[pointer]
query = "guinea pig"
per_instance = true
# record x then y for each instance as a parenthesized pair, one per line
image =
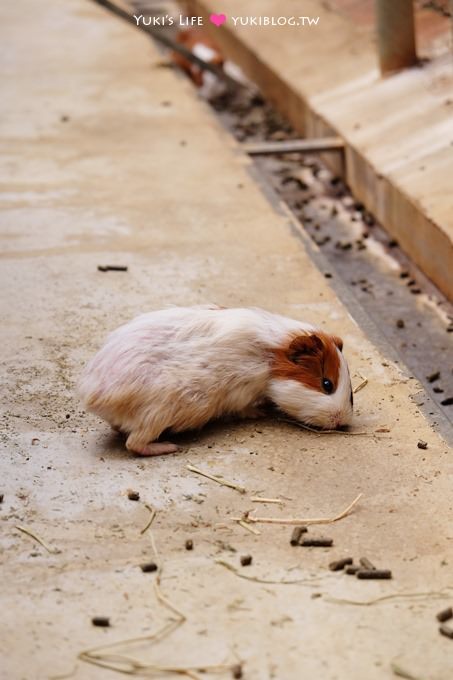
(202, 46)
(178, 368)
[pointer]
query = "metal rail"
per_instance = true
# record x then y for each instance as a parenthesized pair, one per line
(294, 146)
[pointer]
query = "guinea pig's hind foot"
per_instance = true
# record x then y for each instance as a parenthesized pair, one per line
(153, 449)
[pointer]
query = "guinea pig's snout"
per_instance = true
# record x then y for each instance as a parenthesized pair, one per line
(337, 422)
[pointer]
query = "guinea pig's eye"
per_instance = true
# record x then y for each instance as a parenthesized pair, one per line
(327, 385)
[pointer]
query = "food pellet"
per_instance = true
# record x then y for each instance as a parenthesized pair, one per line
(189, 544)
(352, 570)
(367, 574)
(112, 268)
(237, 672)
(133, 495)
(317, 542)
(422, 445)
(149, 566)
(101, 621)
(246, 560)
(366, 564)
(446, 630)
(297, 535)
(340, 564)
(445, 614)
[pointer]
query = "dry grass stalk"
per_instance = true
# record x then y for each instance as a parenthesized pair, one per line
(293, 521)
(258, 499)
(320, 433)
(215, 478)
(105, 656)
(257, 579)
(435, 594)
(29, 532)
(360, 386)
(402, 672)
(152, 517)
(253, 530)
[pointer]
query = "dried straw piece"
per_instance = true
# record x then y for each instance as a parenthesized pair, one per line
(105, 656)
(253, 530)
(402, 672)
(258, 499)
(439, 594)
(257, 579)
(29, 532)
(321, 432)
(215, 478)
(293, 521)
(360, 386)
(151, 518)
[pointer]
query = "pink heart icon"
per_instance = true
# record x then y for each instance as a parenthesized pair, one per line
(217, 19)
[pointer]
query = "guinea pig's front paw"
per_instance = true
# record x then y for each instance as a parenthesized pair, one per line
(154, 449)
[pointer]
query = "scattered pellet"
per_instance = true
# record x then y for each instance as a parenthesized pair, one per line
(445, 614)
(432, 377)
(112, 268)
(189, 544)
(404, 274)
(447, 402)
(367, 574)
(438, 390)
(1, 498)
(316, 542)
(246, 560)
(416, 291)
(400, 323)
(352, 570)
(148, 567)
(340, 564)
(297, 535)
(237, 671)
(101, 621)
(366, 564)
(446, 630)
(133, 495)
(369, 219)
(421, 444)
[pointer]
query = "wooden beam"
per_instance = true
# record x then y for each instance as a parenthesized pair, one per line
(395, 35)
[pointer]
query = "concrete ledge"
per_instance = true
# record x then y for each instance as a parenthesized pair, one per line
(398, 131)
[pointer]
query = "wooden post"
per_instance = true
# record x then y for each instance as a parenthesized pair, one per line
(395, 35)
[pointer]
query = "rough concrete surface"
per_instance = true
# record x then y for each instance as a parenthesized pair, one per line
(109, 159)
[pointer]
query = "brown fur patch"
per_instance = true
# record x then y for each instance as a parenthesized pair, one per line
(309, 358)
(189, 38)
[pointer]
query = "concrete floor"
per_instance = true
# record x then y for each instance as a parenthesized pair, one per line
(110, 159)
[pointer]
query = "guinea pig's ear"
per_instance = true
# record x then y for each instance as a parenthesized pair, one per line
(338, 342)
(304, 346)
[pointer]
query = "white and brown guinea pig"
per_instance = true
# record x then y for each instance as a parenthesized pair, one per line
(202, 46)
(178, 368)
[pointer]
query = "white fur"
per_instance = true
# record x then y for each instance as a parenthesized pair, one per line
(180, 367)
